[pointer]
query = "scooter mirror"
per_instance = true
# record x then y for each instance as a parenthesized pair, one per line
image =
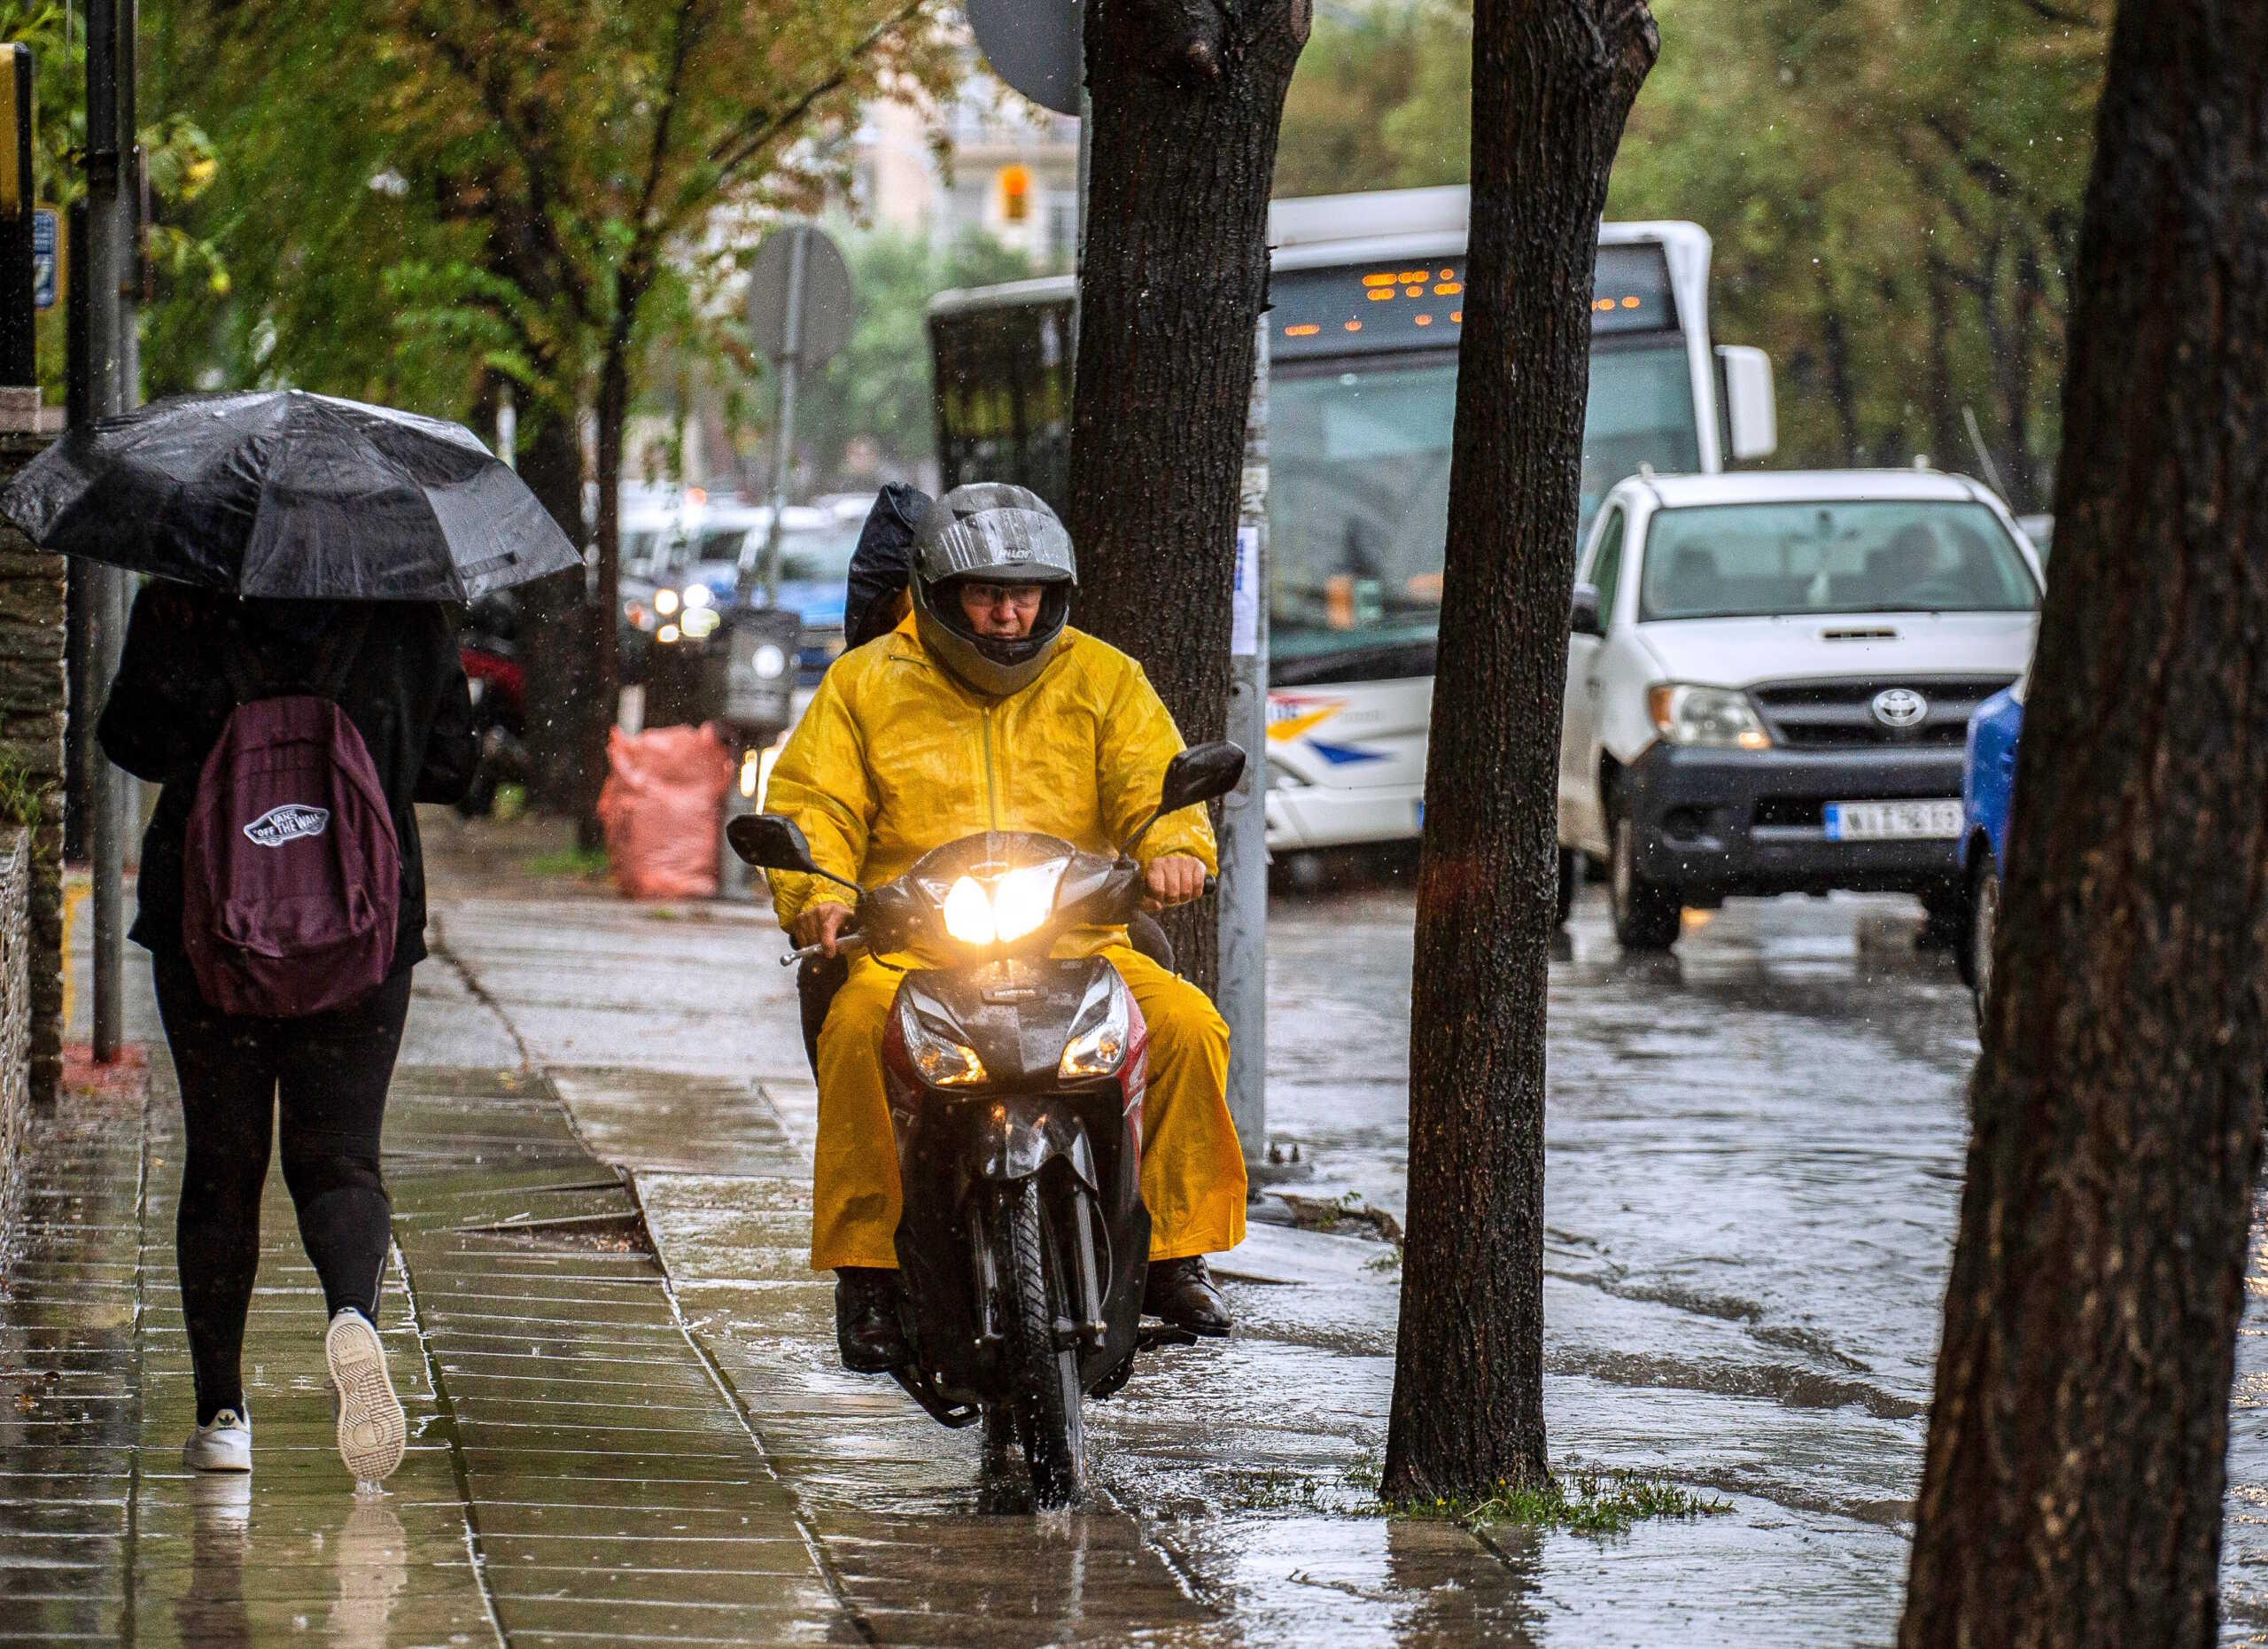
(771, 843)
(1199, 775)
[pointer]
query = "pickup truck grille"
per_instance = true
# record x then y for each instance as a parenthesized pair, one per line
(1839, 715)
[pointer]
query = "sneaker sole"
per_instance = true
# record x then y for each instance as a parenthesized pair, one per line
(198, 1462)
(372, 1430)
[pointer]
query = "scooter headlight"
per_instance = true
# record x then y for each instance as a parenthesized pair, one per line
(1100, 1049)
(1017, 903)
(939, 1061)
(968, 914)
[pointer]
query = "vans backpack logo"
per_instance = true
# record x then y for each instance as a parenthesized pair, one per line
(287, 823)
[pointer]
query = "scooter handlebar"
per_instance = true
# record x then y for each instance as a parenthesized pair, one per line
(803, 953)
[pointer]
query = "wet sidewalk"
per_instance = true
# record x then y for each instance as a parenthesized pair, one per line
(575, 1476)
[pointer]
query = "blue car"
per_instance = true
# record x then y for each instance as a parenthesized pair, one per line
(1988, 782)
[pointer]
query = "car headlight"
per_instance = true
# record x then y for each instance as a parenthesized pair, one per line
(698, 596)
(666, 635)
(941, 1061)
(1100, 1050)
(769, 661)
(665, 602)
(1714, 718)
(700, 622)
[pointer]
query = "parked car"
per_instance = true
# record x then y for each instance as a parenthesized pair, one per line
(1988, 780)
(1769, 682)
(677, 595)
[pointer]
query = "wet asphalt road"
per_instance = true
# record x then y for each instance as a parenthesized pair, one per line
(1753, 1184)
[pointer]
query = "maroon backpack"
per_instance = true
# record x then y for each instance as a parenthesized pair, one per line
(292, 883)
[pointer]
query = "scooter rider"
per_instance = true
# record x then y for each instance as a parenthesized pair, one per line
(984, 709)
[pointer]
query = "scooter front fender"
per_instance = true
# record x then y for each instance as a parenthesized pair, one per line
(1016, 1138)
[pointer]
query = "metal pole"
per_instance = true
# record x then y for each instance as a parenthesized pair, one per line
(107, 244)
(1243, 990)
(791, 352)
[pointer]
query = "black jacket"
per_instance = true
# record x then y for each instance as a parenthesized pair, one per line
(404, 691)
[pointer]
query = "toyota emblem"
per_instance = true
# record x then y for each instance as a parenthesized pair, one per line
(1900, 707)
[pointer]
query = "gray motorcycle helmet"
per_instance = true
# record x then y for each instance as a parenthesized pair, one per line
(990, 533)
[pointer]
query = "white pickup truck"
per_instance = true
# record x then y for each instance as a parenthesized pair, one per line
(1769, 682)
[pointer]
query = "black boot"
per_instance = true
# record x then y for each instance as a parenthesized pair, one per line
(1182, 1292)
(866, 1329)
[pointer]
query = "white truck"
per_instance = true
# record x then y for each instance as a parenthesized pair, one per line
(1770, 682)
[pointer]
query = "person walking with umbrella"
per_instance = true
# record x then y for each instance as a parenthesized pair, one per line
(290, 679)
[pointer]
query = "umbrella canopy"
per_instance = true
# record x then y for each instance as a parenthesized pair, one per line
(282, 494)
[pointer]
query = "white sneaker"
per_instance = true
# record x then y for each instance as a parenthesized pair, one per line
(372, 1430)
(223, 1446)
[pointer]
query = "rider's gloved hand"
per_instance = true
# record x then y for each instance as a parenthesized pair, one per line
(1173, 880)
(820, 923)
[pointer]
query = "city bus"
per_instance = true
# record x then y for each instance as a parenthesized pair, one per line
(1365, 309)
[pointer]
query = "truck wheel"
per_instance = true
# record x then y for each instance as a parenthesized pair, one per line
(1984, 922)
(1646, 914)
(1944, 921)
(1571, 871)
(1044, 1376)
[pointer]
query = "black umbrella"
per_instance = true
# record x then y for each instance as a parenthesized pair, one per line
(282, 493)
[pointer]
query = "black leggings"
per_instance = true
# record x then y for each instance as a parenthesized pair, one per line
(330, 1071)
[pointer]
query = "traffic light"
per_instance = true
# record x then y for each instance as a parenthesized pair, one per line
(1015, 194)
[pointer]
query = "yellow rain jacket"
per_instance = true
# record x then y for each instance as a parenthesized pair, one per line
(894, 758)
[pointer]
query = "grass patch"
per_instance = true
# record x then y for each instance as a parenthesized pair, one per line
(21, 794)
(1586, 1503)
(579, 863)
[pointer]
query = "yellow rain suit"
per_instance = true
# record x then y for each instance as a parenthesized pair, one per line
(894, 758)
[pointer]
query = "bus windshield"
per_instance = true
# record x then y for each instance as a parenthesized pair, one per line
(1358, 496)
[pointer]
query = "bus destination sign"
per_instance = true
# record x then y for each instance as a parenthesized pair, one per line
(1365, 309)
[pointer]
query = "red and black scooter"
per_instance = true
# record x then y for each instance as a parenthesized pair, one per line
(1015, 1082)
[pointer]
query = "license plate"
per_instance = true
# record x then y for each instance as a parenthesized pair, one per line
(1892, 821)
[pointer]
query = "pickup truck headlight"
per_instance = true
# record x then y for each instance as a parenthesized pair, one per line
(1714, 718)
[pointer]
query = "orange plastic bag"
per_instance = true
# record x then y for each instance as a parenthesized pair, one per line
(661, 810)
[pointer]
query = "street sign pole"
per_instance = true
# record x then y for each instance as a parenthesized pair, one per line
(110, 115)
(1244, 815)
(783, 450)
(799, 304)
(18, 310)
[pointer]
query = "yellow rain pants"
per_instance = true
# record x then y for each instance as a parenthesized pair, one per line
(1193, 1168)
(895, 756)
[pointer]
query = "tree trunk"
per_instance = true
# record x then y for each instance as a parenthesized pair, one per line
(2071, 1492)
(2018, 467)
(1841, 391)
(1187, 96)
(553, 622)
(1552, 82)
(1944, 438)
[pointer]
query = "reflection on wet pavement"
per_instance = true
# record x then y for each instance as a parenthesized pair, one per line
(1754, 1159)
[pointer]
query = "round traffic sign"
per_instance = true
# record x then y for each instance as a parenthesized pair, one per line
(820, 311)
(1035, 45)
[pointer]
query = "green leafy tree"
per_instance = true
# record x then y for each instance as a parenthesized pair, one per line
(1892, 186)
(516, 192)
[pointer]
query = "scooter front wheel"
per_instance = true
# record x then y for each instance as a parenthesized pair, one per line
(1044, 1375)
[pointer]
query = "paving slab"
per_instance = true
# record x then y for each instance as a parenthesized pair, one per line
(576, 1474)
